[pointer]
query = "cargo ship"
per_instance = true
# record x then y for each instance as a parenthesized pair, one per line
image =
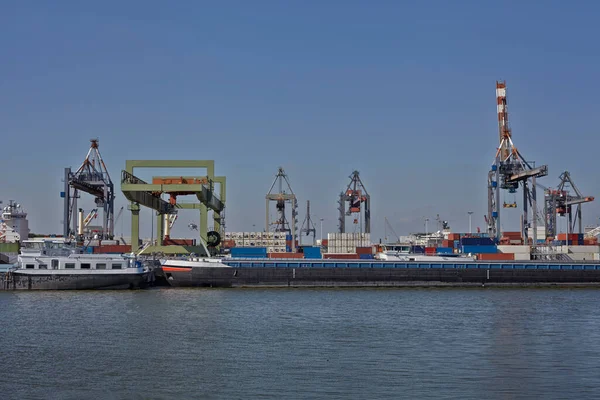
(56, 264)
(437, 271)
(471, 261)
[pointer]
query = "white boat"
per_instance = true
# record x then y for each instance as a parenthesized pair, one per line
(53, 263)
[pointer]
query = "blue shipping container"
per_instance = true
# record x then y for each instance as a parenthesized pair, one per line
(365, 256)
(445, 250)
(417, 249)
(248, 251)
(288, 237)
(312, 252)
(477, 241)
(479, 249)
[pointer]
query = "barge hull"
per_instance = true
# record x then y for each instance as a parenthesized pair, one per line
(376, 277)
(15, 281)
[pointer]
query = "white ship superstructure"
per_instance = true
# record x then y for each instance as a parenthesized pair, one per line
(14, 226)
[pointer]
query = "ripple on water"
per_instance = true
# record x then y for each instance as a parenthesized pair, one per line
(350, 343)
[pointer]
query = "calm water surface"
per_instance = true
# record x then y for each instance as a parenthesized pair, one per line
(345, 343)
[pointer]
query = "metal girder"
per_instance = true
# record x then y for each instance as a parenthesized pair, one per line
(89, 188)
(530, 173)
(579, 201)
(207, 197)
(280, 196)
(134, 189)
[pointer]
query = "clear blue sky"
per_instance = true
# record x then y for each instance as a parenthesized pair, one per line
(404, 92)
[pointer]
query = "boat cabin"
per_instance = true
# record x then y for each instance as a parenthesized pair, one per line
(62, 255)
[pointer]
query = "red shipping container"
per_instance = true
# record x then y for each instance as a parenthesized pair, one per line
(324, 242)
(430, 250)
(113, 248)
(496, 257)
(512, 235)
(179, 242)
(285, 255)
(364, 250)
(341, 256)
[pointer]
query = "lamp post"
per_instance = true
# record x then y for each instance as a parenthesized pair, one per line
(470, 213)
(321, 219)
(426, 221)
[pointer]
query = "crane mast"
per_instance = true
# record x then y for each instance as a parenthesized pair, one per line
(509, 170)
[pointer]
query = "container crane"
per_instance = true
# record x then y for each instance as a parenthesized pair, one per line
(93, 178)
(308, 227)
(281, 198)
(509, 170)
(357, 196)
(559, 201)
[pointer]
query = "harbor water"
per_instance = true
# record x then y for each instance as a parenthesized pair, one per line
(300, 343)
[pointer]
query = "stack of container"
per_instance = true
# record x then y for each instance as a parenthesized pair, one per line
(347, 243)
(275, 242)
(515, 238)
(572, 239)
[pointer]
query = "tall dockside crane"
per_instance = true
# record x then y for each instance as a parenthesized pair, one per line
(509, 169)
(357, 196)
(560, 202)
(281, 197)
(91, 177)
(308, 227)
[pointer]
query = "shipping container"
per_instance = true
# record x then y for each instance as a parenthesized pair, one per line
(495, 256)
(111, 249)
(479, 249)
(454, 236)
(366, 256)
(466, 241)
(312, 252)
(344, 256)
(515, 234)
(249, 252)
(179, 242)
(286, 255)
(364, 250)
(417, 249)
(444, 250)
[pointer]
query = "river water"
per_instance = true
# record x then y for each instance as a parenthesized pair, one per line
(300, 343)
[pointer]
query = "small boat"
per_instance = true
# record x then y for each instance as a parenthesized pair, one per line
(55, 263)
